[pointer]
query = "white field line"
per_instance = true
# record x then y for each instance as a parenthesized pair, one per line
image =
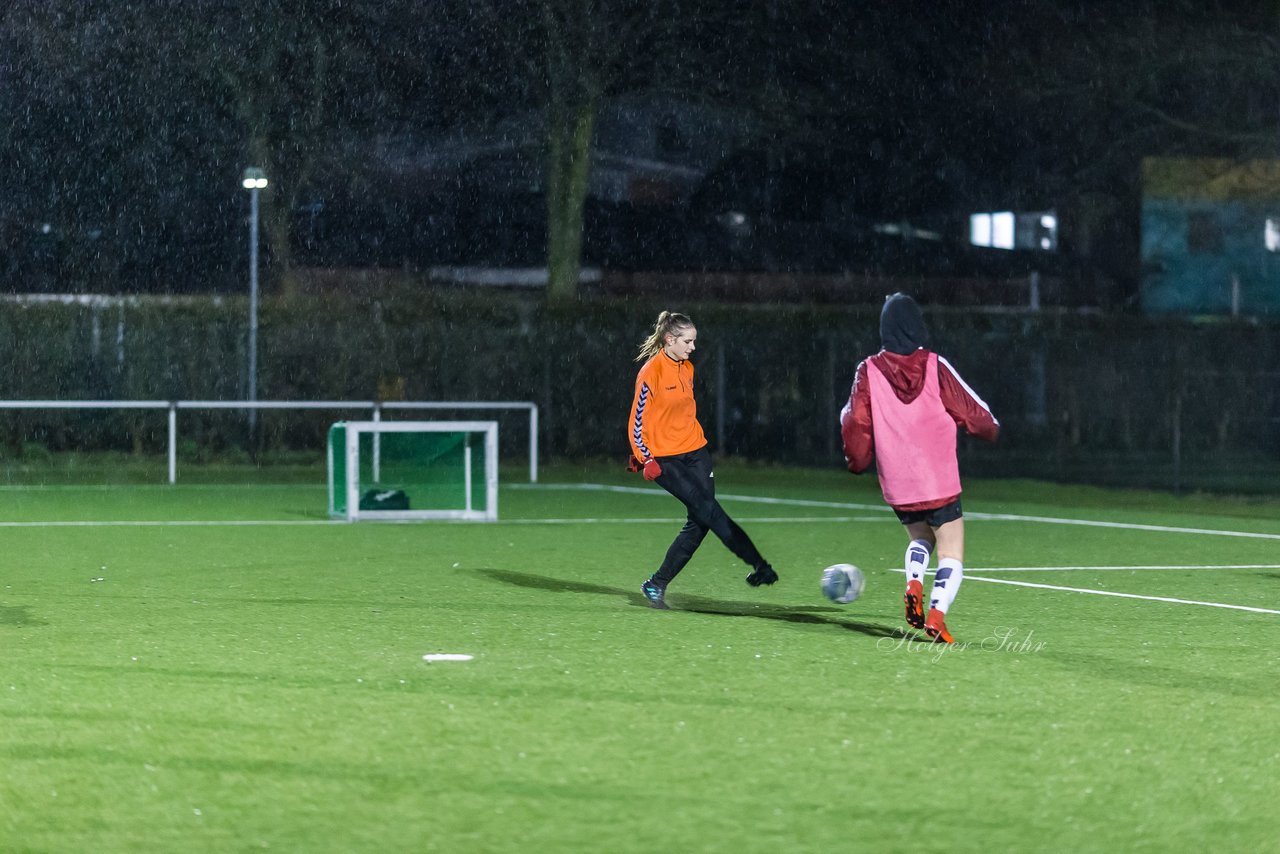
(653, 490)
(171, 523)
(782, 520)
(755, 499)
(1128, 526)
(1014, 518)
(1005, 517)
(1117, 568)
(246, 523)
(968, 577)
(673, 520)
(157, 487)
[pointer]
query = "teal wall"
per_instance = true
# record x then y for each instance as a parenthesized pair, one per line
(1178, 280)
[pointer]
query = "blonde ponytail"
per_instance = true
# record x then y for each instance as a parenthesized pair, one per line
(669, 322)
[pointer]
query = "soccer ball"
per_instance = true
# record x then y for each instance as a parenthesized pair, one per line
(842, 583)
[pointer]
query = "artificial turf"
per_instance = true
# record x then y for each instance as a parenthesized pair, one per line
(260, 682)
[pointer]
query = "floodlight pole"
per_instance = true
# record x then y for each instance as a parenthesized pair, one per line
(253, 306)
(254, 180)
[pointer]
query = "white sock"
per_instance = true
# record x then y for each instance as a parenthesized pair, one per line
(916, 559)
(946, 583)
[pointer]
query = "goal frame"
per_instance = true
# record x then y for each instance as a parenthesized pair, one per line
(351, 486)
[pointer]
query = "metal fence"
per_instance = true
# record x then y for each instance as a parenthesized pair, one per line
(1122, 400)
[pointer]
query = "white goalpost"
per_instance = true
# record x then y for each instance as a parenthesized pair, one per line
(409, 470)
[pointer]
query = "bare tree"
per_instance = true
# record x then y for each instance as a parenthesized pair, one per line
(293, 76)
(138, 117)
(563, 57)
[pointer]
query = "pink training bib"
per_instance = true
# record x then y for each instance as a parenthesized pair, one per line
(915, 442)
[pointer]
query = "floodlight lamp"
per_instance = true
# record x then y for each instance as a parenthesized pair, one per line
(254, 178)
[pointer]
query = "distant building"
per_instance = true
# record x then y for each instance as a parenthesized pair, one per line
(645, 150)
(674, 186)
(1210, 236)
(478, 195)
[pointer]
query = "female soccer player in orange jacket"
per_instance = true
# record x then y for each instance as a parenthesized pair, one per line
(903, 410)
(668, 445)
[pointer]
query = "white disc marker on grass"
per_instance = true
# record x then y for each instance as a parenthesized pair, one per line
(446, 656)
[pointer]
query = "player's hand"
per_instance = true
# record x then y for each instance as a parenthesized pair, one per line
(651, 469)
(633, 465)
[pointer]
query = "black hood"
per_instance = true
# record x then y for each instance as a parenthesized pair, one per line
(902, 328)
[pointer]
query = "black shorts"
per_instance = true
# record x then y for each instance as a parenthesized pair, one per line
(935, 518)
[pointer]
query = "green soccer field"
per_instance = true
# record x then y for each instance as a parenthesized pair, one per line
(221, 668)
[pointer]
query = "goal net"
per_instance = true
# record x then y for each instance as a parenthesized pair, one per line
(395, 470)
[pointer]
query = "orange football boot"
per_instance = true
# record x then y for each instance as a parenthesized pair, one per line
(936, 627)
(913, 599)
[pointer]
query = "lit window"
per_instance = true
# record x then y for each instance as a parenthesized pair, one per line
(1036, 231)
(980, 229)
(1002, 230)
(1272, 235)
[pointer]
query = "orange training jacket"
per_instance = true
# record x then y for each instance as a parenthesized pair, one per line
(664, 417)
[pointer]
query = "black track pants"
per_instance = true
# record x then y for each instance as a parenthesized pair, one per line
(689, 478)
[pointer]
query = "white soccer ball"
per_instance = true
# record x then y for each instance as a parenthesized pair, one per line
(842, 583)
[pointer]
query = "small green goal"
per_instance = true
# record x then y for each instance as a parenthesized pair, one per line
(403, 470)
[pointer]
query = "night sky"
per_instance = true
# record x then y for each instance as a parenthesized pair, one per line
(130, 122)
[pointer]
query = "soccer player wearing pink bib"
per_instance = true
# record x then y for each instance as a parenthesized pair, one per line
(903, 411)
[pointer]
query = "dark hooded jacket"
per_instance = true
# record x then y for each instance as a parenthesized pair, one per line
(904, 361)
(903, 339)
